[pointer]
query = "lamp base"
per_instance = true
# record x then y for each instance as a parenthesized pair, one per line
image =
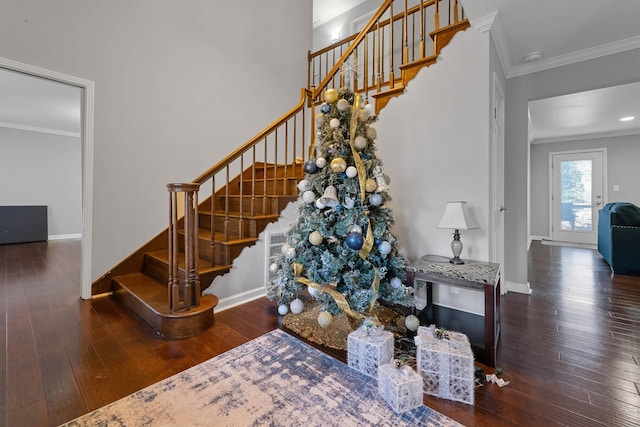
(456, 248)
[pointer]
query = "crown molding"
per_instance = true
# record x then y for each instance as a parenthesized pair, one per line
(492, 23)
(575, 57)
(40, 129)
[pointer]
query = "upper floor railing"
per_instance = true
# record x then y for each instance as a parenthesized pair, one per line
(399, 33)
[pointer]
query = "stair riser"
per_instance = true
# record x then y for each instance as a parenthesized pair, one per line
(270, 188)
(292, 171)
(251, 227)
(225, 254)
(260, 206)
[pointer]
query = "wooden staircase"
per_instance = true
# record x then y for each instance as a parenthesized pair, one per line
(271, 165)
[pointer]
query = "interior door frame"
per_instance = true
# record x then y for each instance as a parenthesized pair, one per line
(87, 140)
(594, 219)
(497, 210)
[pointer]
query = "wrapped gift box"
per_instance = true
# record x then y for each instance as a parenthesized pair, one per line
(368, 349)
(445, 364)
(401, 388)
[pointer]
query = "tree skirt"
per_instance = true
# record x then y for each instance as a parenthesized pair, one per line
(274, 380)
(335, 335)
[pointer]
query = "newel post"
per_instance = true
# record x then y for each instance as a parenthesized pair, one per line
(185, 287)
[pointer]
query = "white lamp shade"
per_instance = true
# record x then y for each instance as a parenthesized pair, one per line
(456, 216)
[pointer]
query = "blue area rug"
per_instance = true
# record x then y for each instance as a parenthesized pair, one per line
(274, 380)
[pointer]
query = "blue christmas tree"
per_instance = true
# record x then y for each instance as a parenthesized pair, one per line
(341, 248)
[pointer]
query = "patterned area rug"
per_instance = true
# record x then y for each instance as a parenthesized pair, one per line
(274, 380)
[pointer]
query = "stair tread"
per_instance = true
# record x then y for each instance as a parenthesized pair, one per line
(218, 238)
(236, 215)
(203, 265)
(154, 294)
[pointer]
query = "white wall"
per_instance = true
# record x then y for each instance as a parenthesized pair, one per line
(178, 85)
(43, 169)
(434, 142)
(596, 73)
(623, 154)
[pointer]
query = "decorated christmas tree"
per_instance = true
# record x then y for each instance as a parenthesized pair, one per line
(341, 248)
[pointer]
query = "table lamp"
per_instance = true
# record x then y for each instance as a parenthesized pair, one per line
(456, 217)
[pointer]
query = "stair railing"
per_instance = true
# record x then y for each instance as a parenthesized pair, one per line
(371, 59)
(184, 292)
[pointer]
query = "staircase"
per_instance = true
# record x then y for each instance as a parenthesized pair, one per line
(252, 185)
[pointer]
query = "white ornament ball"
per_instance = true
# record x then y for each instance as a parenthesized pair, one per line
(354, 228)
(369, 108)
(320, 119)
(283, 309)
(290, 252)
(334, 123)
(308, 196)
(384, 247)
(371, 132)
(296, 306)
(396, 283)
(319, 204)
(412, 322)
(315, 238)
(284, 248)
(343, 105)
(360, 142)
(312, 291)
(274, 267)
(303, 185)
(352, 172)
(324, 319)
(321, 162)
(363, 116)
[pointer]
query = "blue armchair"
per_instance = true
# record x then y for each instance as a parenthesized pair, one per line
(619, 237)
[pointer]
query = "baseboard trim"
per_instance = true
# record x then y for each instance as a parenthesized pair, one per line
(521, 288)
(64, 236)
(239, 299)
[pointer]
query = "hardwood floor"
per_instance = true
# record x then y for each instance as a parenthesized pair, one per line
(571, 350)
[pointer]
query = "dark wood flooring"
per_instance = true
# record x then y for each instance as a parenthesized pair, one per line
(571, 350)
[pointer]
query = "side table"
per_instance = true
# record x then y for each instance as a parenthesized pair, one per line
(483, 276)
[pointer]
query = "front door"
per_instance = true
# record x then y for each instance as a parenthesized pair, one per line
(576, 195)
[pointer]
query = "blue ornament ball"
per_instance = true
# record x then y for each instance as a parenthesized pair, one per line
(311, 167)
(377, 240)
(375, 199)
(354, 240)
(325, 108)
(396, 283)
(384, 247)
(342, 176)
(326, 272)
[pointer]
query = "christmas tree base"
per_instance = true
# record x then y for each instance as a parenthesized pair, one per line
(336, 333)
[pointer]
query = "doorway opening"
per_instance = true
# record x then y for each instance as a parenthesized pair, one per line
(86, 136)
(577, 193)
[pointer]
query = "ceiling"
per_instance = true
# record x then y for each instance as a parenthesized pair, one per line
(563, 32)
